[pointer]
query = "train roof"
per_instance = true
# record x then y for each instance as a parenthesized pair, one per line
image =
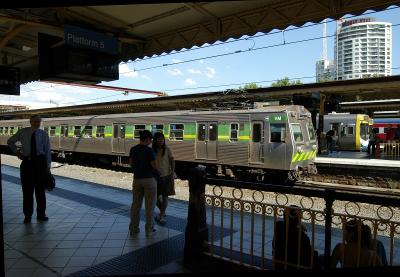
(184, 112)
(387, 120)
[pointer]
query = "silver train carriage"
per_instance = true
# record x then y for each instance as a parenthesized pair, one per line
(352, 130)
(274, 139)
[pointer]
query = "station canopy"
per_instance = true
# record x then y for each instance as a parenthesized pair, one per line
(144, 30)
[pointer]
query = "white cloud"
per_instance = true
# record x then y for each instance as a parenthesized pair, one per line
(176, 60)
(194, 71)
(175, 72)
(190, 82)
(125, 71)
(210, 72)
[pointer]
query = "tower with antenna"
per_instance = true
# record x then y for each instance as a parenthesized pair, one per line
(324, 66)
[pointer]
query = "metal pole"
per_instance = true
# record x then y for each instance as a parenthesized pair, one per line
(2, 267)
(328, 226)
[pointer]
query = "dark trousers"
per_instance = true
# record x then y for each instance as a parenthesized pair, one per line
(373, 145)
(31, 179)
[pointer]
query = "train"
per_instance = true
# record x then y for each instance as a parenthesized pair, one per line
(382, 125)
(352, 130)
(266, 142)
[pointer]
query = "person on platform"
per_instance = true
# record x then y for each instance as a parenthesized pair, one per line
(35, 154)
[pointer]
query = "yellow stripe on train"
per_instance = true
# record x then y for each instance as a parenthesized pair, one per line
(303, 156)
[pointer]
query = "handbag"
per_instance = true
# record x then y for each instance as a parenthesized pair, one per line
(49, 181)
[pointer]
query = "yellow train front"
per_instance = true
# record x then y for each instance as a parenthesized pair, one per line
(352, 130)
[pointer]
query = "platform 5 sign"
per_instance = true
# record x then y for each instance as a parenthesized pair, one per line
(87, 39)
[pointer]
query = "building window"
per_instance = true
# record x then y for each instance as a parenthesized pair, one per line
(87, 132)
(138, 128)
(176, 131)
(77, 131)
(52, 131)
(234, 133)
(100, 132)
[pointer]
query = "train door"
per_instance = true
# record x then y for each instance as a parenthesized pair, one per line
(118, 139)
(206, 140)
(63, 138)
(257, 142)
(276, 153)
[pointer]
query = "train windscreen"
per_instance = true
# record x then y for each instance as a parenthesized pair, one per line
(311, 132)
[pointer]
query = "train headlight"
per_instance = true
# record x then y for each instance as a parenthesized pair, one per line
(299, 149)
(314, 147)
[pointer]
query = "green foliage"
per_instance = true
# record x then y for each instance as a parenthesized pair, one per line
(286, 82)
(249, 86)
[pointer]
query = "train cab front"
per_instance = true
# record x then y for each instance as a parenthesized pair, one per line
(303, 144)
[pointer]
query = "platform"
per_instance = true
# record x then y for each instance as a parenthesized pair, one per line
(357, 160)
(87, 234)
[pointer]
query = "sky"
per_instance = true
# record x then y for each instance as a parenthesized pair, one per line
(282, 55)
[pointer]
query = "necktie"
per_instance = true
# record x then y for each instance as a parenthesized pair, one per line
(33, 145)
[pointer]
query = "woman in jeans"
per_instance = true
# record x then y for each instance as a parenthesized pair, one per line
(166, 166)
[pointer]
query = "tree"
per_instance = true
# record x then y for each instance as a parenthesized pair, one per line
(286, 82)
(249, 86)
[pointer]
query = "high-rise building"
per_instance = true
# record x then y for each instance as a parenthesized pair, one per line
(325, 68)
(363, 48)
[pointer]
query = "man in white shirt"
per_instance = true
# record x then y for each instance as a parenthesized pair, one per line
(36, 159)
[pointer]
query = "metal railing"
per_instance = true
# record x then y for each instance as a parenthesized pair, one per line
(390, 148)
(280, 227)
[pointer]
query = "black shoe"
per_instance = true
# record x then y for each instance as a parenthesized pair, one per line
(27, 220)
(42, 218)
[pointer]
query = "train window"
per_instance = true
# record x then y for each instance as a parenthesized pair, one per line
(87, 132)
(46, 129)
(100, 132)
(1, 130)
(138, 128)
(297, 134)
(176, 131)
(11, 131)
(19, 128)
(350, 130)
(201, 132)
(52, 131)
(234, 134)
(277, 132)
(364, 131)
(157, 128)
(256, 135)
(311, 132)
(77, 131)
(64, 131)
(6, 130)
(213, 131)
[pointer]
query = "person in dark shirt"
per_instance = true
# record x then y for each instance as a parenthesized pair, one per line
(142, 160)
(291, 245)
(329, 140)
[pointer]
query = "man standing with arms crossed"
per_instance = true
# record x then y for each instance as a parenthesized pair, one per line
(36, 159)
